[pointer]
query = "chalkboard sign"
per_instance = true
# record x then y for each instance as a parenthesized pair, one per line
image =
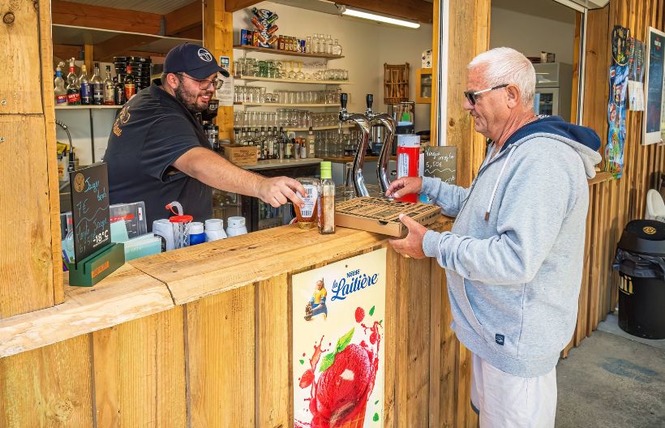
(441, 162)
(90, 210)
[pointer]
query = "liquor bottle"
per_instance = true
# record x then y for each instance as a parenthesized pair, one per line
(84, 85)
(326, 205)
(281, 144)
(130, 84)
(303, 149)
(271, 144)
(109, 88)
(73, 90)
(97, 87)
(311, 143)
(119, 91)
(59, 88)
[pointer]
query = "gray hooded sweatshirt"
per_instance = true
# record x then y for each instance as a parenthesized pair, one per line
(514, 256)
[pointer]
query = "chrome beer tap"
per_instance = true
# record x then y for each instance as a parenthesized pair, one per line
(359, 160)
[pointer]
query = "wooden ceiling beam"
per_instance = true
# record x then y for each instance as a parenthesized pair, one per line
(235, 5)
(183, 19)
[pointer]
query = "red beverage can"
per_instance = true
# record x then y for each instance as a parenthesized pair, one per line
(408, 155)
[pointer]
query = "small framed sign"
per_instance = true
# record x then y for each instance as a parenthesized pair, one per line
(441, 162)
(90, 210)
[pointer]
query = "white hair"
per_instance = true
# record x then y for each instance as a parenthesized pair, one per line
(506, 65)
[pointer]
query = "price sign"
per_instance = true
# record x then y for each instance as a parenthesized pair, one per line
(441, 162)
(90, 210)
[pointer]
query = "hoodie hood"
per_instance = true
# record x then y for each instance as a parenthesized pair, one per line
(583, 139)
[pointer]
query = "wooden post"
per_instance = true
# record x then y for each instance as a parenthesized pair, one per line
(31, 270)
(218, 38)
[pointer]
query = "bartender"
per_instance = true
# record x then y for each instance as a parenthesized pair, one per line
(158, 152)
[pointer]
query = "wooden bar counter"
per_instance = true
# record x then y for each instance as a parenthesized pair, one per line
(201, 337)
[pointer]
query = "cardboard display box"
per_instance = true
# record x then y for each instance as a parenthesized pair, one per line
(240, 155)
(382, 215)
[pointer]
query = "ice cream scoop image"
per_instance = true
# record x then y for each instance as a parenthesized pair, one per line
(341, 392)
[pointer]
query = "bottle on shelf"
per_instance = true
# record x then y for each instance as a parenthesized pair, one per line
(109, 88)
(84, 85)
(326, 205)
(311, 143)
(97, 87)
(281, 144)
(59, 87)
(329, 44)
(119, 91)
(303, 149)
(130, 84)
(337, 48)
(73, 90)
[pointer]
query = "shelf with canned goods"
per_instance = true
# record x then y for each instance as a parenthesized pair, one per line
(285, 52)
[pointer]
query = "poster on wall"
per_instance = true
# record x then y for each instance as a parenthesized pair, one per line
(338, 353)
(653, 115)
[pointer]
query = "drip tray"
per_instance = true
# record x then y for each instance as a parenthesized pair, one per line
(380, 215)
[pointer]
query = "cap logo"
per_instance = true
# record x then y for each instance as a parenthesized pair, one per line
(205, 55)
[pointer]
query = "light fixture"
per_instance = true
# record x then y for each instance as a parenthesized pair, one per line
(377, 18)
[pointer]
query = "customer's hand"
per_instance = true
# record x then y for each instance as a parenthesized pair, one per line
(404, 186)
(412, 245)
(276, 191)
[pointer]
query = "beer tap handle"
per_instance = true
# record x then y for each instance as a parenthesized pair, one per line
(343, 98)
(370, 101)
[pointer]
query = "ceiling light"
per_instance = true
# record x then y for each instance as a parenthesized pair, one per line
(378, 18)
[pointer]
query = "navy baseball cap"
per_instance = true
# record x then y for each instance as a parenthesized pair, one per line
(192, 59)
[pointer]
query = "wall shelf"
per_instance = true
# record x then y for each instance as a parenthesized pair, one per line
(283, 52)
(310, 82)
(85, 107)
(286, 105)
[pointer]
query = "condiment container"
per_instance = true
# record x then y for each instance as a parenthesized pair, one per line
(214, 228)
(236, 226)
(308, 213)
(196, 233)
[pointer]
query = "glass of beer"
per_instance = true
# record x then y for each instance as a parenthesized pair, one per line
(306, 216)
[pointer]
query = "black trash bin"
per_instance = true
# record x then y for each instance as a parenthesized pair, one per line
(640, 259)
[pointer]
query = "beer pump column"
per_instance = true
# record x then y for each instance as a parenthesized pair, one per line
(359, 160)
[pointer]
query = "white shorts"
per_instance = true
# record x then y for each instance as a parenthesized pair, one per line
(503, 400)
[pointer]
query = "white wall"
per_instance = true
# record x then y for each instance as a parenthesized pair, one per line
(366, 47)
(531, 34)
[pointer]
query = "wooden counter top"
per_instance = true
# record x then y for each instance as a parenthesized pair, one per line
(160, 282)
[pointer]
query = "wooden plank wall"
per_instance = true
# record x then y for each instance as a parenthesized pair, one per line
(613, 202)
(30, 270)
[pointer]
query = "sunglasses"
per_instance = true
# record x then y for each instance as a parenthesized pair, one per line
(204, 83)
(472, 96)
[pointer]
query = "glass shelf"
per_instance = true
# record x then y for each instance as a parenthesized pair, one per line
(309, 82)
(283, 52)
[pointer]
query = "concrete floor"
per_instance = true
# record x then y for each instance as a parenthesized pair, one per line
(612, 380)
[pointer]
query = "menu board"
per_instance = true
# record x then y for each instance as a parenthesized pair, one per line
(441, 162)
(90, 209)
